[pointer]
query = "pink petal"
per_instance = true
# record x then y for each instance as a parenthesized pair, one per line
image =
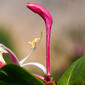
(48, 22)
(11, 54)
(2, 64)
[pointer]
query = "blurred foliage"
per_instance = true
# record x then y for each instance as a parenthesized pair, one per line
(75, 33)
(58, 46)
(6, 39)
(70, 44)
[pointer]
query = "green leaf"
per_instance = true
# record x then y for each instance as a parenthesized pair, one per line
(16, 75)
(75, 75)
(5, 83)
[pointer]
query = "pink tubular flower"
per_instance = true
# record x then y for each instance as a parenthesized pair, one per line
(48, 22)
(46, 70)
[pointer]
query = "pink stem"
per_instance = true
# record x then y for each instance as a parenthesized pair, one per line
(48, 22)
(48, 33)
(38, 76)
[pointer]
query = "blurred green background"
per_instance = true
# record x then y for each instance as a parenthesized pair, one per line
(18, 25)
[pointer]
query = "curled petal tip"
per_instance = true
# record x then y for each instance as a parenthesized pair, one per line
(41, 11)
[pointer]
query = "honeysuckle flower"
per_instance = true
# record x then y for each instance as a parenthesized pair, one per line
(47, 78)
(4, 49)
(2, 61)
(48, 22)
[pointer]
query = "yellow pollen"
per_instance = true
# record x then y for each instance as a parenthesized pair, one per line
(33, 43)
(36, 40)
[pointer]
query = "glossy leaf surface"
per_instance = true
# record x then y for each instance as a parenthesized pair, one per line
(15, 75)
(75, 75)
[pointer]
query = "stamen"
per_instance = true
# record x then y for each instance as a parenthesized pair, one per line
(34, 42)
(38, 65)
(41, 33)
(23, 60)
(34, 45)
